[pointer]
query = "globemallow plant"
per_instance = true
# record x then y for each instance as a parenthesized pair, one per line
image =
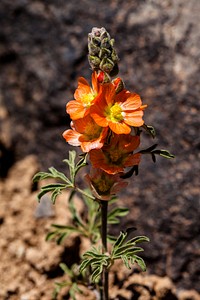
(107, 122)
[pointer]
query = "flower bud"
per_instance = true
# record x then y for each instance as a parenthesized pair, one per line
(102, 55)
(95, 61)
(103, 77)
(106, 65)
(119, 85)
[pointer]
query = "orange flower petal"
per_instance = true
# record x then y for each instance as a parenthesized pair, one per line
(132, 103)
(133, 160)
(100, 120)
(108, 91)
(98, 160)
(112, 169)
(88, 146)
(97, 112)
(83, 88)
(132, 143)
(81, 124)
(119, 128)
(134, 118)
(72, 137)
(95, 83)
(76, 110)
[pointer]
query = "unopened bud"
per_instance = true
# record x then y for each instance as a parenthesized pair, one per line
(102, 55)
(95, 61)
(103, 77)
(106, 65)
(119, 85)
(93, 49)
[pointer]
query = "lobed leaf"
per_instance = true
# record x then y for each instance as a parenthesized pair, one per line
(140, 262)
(53, 173)
(86, 262)
(125, 260)
(127, 249)
(138, 239)
(150, 130)
(148, 150)
(121, 238)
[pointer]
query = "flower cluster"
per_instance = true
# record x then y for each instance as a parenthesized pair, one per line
(103, 116)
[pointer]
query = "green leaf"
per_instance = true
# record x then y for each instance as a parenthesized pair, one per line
(61, 238)
(163, 153)
(117, 213)
(127, 248)
(93, 254)
(138, 239)
(86, 262)
(55, 194)
(81, 163)
(148, 150)
(53, 173)
(59, 286)
(113, 199)
(51, 235)
(66, 270)
(73, 290)
(126, 261)
(150, 130)
(140, 262)
(61, 232)
(97, 272)
(121, 238)
(71, 164)
(63, 227)
(54, 188)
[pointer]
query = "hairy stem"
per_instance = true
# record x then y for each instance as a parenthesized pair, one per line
(104, 211)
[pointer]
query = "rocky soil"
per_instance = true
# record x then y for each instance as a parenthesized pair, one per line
(43, 50)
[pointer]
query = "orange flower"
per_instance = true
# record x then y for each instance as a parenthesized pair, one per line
(118, 111)
(85, 96)
(104, 185)
(86, 133)
(118, 155)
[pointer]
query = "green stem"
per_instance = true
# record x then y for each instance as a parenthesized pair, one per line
(84, 193)
(104, 212)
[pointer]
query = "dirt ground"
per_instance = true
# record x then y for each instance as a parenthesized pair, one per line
(43, 50)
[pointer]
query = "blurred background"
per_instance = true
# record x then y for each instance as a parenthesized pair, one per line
(43, 51)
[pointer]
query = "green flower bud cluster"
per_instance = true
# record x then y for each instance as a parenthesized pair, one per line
(102, 55)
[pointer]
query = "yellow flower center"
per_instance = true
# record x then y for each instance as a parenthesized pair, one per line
(115, 113)
(114, 155)
(87, 99)
(92, 131)
(102, 185)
